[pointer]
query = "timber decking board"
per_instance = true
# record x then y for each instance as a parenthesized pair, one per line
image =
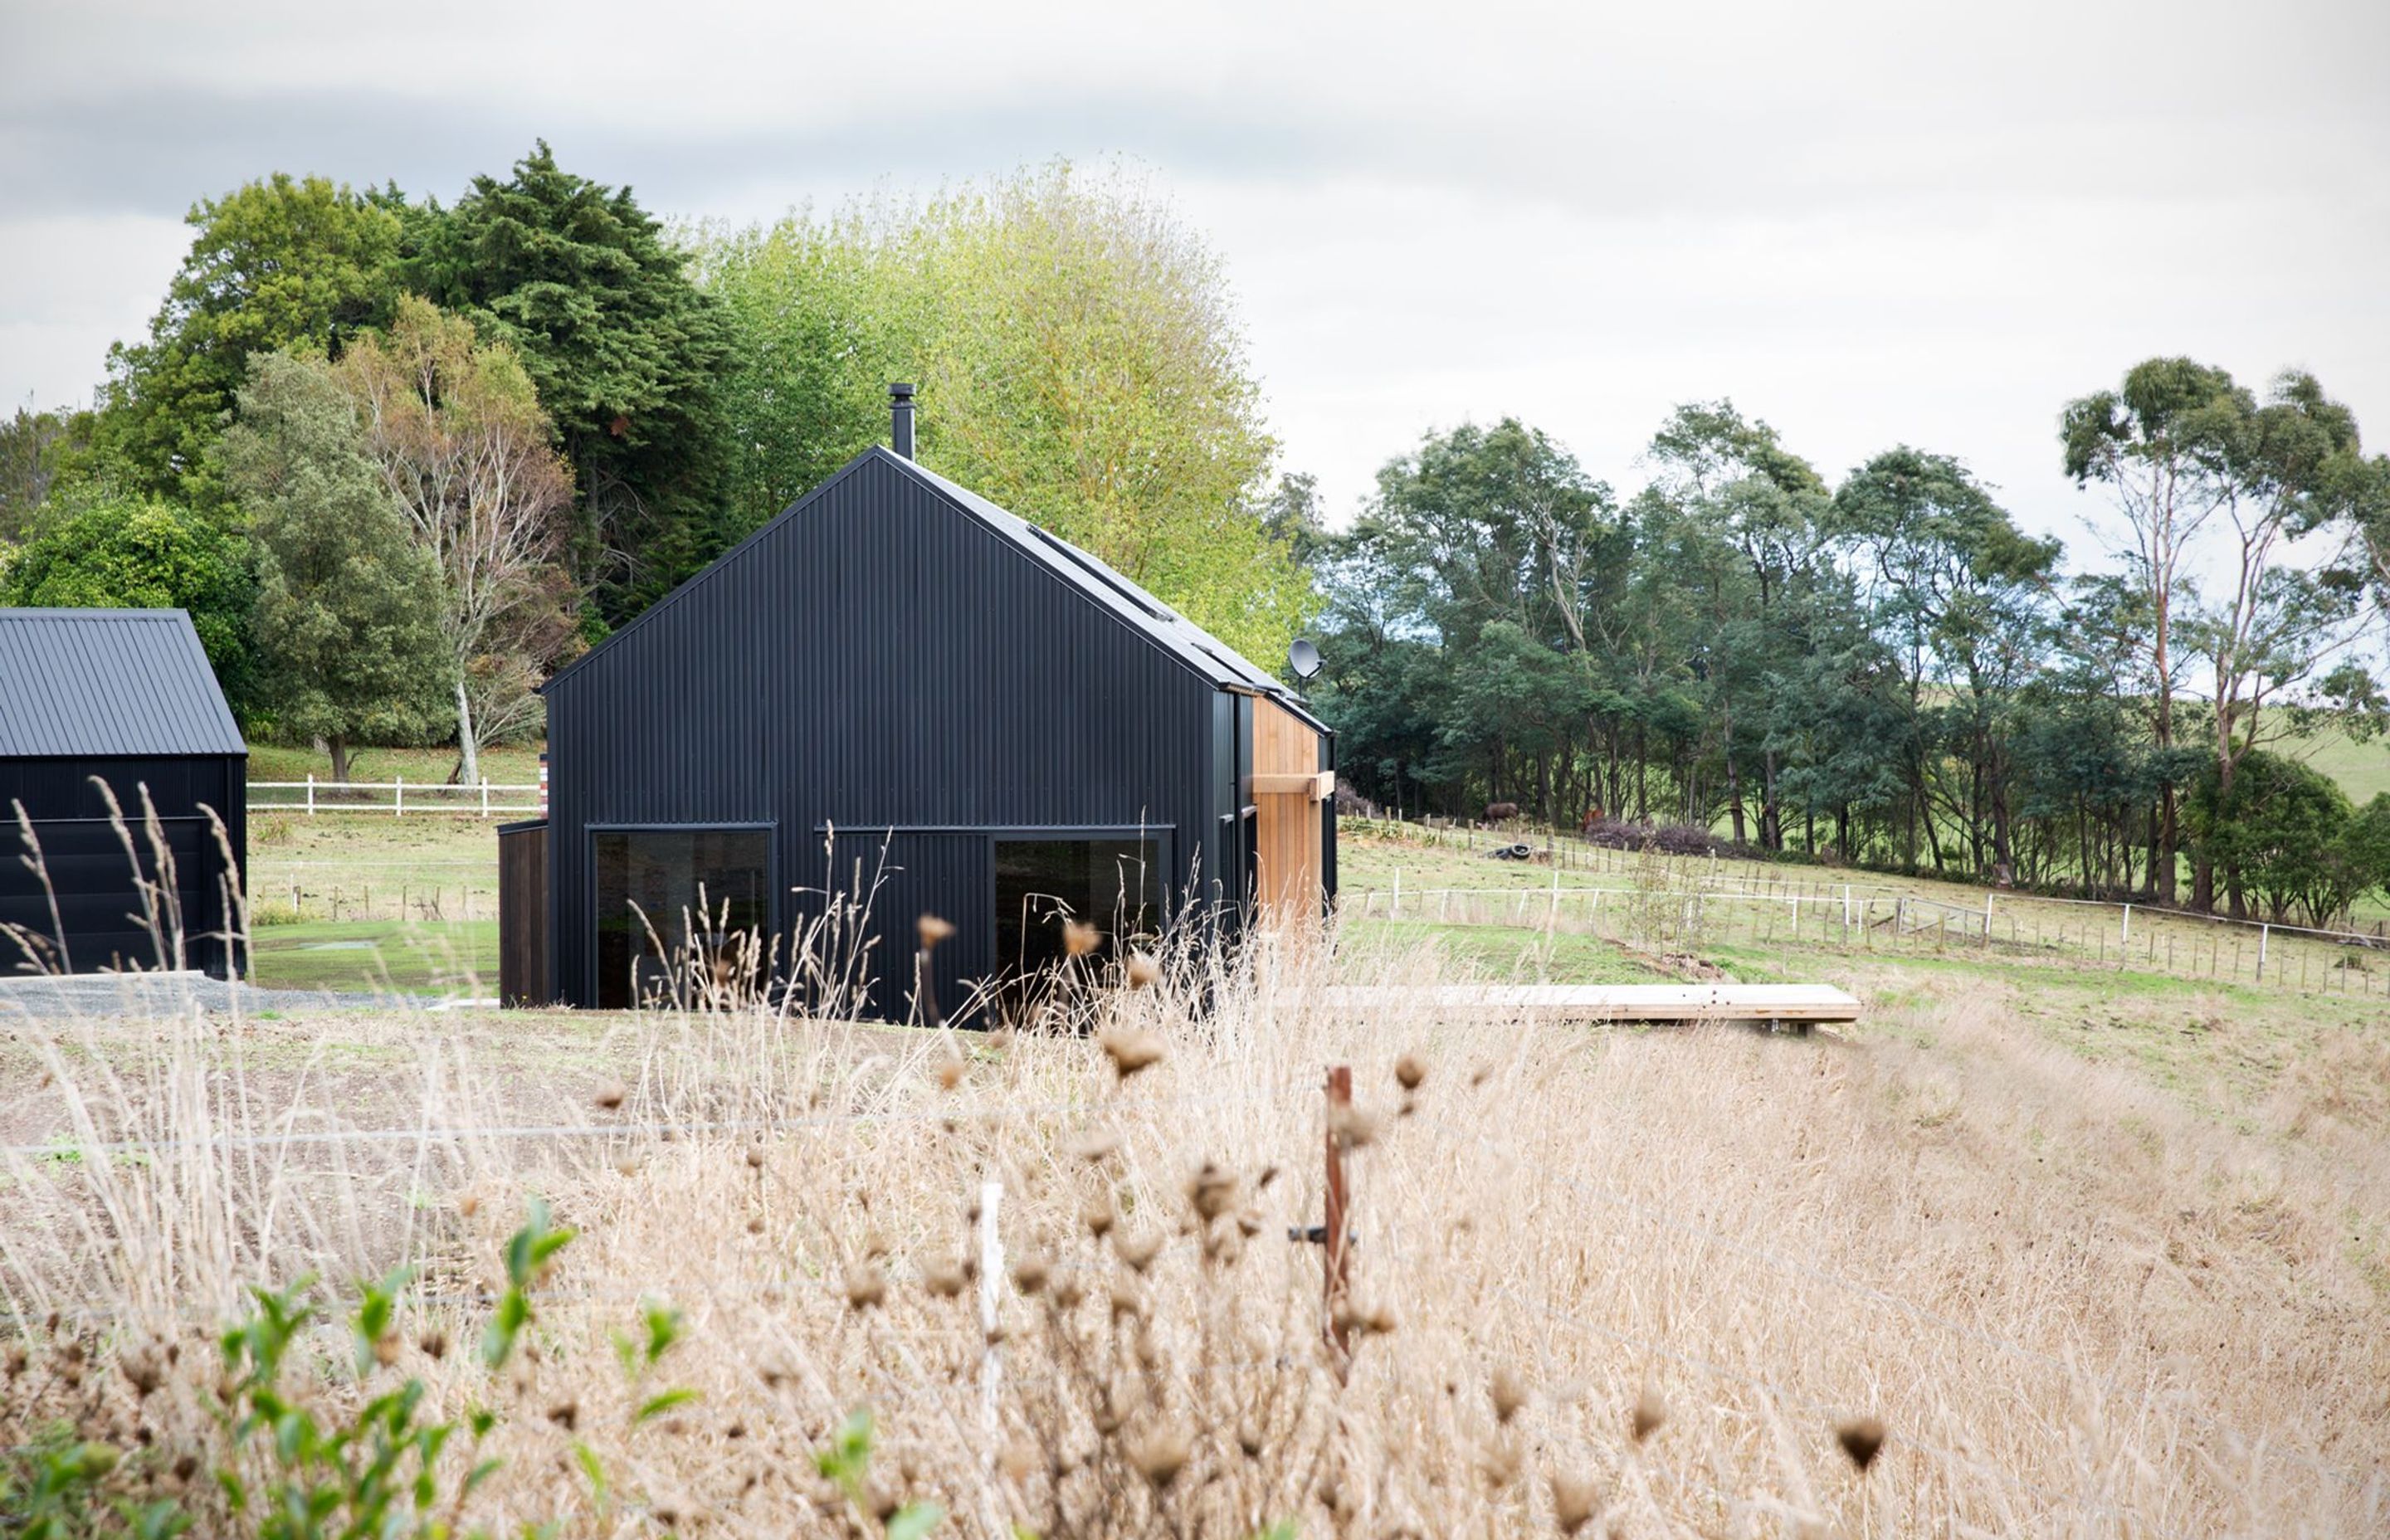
(1620, 1002)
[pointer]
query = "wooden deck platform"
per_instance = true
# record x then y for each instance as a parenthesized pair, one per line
(1795, 1004)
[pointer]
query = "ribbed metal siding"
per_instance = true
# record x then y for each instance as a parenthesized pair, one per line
(60, 798)
(109, 682)
(881, 659)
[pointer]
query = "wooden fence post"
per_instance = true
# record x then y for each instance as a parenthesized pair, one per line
(1333, 1276)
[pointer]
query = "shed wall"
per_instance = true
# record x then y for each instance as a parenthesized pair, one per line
(877, 662)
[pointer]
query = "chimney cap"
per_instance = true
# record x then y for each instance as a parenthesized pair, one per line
(900, 391)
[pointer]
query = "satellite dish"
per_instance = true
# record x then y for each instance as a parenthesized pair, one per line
(1304, 659)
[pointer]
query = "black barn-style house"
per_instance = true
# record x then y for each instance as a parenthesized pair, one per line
(898, 679)
(120, 700)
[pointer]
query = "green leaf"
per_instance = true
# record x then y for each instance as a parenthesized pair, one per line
(594, 1470)
(657, 1406)
(914, 1520)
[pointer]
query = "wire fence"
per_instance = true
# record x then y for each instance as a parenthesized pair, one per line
(1677, 912)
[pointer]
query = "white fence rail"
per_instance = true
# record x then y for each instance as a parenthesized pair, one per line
(395, 797)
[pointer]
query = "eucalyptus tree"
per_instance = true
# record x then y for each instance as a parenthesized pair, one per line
(2148, 443)
(1733, 484)
(1958, 595)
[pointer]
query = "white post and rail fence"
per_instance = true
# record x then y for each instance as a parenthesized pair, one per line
(396, 797)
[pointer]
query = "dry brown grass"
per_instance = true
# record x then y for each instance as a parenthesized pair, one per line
(2074, 1307)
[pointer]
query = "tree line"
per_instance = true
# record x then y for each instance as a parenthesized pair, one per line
(1888, 671)
(400, 460)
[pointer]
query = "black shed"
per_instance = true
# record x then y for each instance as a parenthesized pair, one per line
(122, 700)
(897, 684)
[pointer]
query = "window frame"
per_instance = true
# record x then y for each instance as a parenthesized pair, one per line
(1165, 837)
(589, 833)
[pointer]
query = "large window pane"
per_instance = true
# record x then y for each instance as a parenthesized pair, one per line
(1116, 885)
(696, 893)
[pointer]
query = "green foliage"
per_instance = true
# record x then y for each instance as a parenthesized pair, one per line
(95, 546)
(309, 1475)
(276, 263)
(346, 603)
(35, 448)
(56, 1488)
(528, 1253)
(2285, 831)
(627, 356)
(1078, 362)
(846, 1460)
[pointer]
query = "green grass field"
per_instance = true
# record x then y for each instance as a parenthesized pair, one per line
(409, 957)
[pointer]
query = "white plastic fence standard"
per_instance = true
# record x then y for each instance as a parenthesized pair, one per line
(321, 796)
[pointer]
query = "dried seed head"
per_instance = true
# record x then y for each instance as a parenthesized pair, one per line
(1029, 1274)
(755, 1156)
(1099, 1215)
(950, 1074)
(1137, 1251)
(865, 1285)
(1212, 1190)
(1131, 1049)
(1576, 1499)
(1066, 1290)
(1861, 1438)
(1351, 1126)
(1018, 1462)
(1410, 1071)
(934, 930)
(1508, 1391)
(609, 1096)
(1250, 1440)
(1126, 1301)
(17, 1360)
(1650, 1413)
(1500, 1464)
(434, 1344)
(943, 1278)
(468, 1205)
(1161, 1455)
(1144, 972)
(755, 1224)
(385, 1349)
(565, 1413)
(1095, 1145)
(1080, 938)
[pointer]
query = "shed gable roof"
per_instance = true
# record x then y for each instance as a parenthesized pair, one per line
(102, 682)
(1134, 609)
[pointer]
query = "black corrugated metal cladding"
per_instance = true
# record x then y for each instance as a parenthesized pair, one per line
(878, 660)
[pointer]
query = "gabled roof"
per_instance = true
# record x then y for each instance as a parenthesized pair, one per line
(1132, 606)
(94, 682)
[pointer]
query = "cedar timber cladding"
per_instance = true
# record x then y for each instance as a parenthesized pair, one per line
(891, 676)
(122, 700)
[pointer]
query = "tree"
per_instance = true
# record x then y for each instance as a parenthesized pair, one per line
(32, 447)
(2144, 443)
(2281, 830)
(346, 630)
(1958, 594)
(626, 353)
(275, 263)
(93, 546)
(1078, 360)
(457, 434)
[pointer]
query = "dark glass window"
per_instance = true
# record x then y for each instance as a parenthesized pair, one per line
(696, 893)
(1113, 884)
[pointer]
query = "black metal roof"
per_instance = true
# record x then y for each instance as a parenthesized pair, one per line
(1142, 612)
(97, 682)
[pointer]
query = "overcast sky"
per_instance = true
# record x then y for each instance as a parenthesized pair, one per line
(1868, 223)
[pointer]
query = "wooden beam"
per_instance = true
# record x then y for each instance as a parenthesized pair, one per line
(1317, 786)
